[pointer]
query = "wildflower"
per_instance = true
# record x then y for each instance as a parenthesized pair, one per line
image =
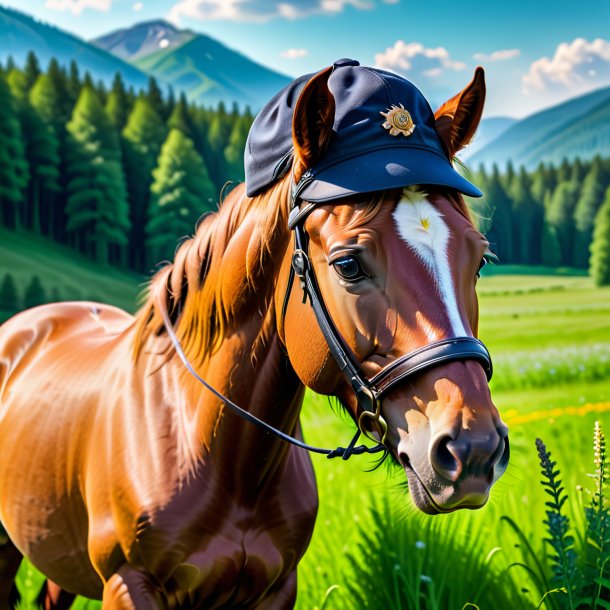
(420, 544)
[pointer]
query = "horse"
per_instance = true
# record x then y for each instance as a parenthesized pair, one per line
(123, 479)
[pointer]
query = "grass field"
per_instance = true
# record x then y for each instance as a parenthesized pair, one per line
(530, 323)
(549, 334)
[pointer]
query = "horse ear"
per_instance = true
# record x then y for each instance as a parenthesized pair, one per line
(458, 118)
(312, 125)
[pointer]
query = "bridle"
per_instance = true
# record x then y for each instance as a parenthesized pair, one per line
(367, 391)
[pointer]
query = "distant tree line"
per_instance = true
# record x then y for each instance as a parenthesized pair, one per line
(555, 216)
(116, 174)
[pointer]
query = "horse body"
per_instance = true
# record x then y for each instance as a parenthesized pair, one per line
(122, 478)
(91, 487)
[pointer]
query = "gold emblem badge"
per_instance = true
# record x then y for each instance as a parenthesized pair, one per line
(398, 121)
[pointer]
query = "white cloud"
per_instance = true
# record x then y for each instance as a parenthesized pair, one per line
(77, 6)
(261, 10)
(138, 6)
(576, 67)
(500, 55)
(294, 53)
(413, 60)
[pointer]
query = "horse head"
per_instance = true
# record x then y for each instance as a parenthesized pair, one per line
(396, 260)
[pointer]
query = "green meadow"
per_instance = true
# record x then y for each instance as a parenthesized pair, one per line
(549, 334)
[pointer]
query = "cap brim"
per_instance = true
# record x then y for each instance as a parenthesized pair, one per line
(385, 169)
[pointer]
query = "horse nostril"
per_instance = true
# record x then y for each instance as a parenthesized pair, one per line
(499, 467)
(404, 458)
(445, 457)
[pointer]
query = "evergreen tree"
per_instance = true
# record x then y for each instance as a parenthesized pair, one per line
(181, 192)
(65, 101)
(500, 234)
(155, 97)
(9, 299)
(527, 218)
(97, 209)
(234, 152)
(13, 164)
(44, 99)
(559, 216)
(41, 151)
(600, 247)
(116, 104)
(550, 250)
(218, 138)
(481, 213)
(32, 69)
(34, 293)
(143, 136)
(589, 201)
(180, 119)
(74, 84)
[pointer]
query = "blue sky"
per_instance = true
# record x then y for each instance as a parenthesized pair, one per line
(535, 52)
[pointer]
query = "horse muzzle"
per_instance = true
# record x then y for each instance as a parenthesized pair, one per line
(446, 473)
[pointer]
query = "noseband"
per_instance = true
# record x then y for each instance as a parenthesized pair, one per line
(367, 391)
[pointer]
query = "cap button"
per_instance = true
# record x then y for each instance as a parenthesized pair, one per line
(342, 63)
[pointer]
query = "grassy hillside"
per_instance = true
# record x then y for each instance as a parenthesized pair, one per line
(60, 269)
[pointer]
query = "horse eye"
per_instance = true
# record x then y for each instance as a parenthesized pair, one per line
(349, 268)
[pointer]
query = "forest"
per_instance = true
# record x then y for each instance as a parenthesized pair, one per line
(120, 176)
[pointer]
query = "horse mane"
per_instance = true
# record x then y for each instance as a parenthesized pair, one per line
(233, 252)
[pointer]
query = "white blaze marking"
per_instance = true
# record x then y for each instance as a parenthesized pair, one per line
(423, 229)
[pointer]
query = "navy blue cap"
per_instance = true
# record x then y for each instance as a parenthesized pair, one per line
(368, 151)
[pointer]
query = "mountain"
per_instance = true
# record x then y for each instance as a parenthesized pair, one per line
(20, 33)
(489, 129)
(206, 70)
(143, 39)
(579, 127)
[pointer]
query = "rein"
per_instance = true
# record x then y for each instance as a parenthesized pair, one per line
(368, 391)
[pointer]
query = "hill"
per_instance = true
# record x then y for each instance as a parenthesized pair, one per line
(579, 127)
(206, 70)
(20, 33)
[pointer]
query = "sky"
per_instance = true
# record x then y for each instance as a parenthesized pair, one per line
(536, 53)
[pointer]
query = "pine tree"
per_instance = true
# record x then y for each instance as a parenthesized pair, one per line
(479, 206)
(589, 201)
(155, 97)
(559, 216)
(234, 152)
(32, 69)
(97, 209)
(65, 101)
(218, 138)
(13, 164)
(181, 192)
(9, 299)
(500, 234)
(527, 218)
(74, 84)
(600, 246)
(143, 136)
(180, 119)
(34, 293)
(116, 104)
(41, 151)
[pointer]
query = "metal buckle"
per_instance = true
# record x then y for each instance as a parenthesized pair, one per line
(368, 397)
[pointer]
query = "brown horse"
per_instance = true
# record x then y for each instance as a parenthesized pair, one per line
(123, 479)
